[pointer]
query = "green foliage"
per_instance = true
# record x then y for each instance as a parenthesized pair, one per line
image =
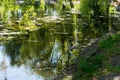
(93, 6)
(90, 66)
(42, 5)
(110, 42)
(103, 5)
(1, 11)
(85, 7)
(27, 15)
(1, 2)
(112, 10)
(87, 68)
(59, 6)
(100, 63)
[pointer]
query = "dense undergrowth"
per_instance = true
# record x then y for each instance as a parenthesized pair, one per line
(99, 64)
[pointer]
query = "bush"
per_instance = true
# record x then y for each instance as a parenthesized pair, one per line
(87, 68)
(110, 42)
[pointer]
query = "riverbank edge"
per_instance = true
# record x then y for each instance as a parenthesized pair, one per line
(89, 51)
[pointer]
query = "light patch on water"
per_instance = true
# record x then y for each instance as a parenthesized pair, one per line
(19, 13)
(56, 52)
(117, 78)
(55, 14)
(13, 72)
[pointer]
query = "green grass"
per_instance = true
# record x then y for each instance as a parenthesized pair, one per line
(99, 64)
(88, 67)
(110, 42)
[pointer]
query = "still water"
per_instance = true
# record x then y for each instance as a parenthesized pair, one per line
(14, 72)
(41, 54)
(22, 72)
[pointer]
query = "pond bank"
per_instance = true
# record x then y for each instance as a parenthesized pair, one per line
(96, 61)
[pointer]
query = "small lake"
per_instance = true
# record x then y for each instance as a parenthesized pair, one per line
(41, 54)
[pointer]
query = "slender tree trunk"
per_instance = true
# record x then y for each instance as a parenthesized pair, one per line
(108, 17)
(71, 4)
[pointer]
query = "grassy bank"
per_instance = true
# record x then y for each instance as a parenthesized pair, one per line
(101, 63)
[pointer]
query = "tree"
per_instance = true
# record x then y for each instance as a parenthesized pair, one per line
(71, 4)
(94, 7)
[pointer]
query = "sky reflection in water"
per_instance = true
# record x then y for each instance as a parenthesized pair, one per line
(14, 72)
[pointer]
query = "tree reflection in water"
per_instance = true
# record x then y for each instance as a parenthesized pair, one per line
(44, 53)
(47, 50)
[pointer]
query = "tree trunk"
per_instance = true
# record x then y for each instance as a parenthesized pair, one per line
(71, 4)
